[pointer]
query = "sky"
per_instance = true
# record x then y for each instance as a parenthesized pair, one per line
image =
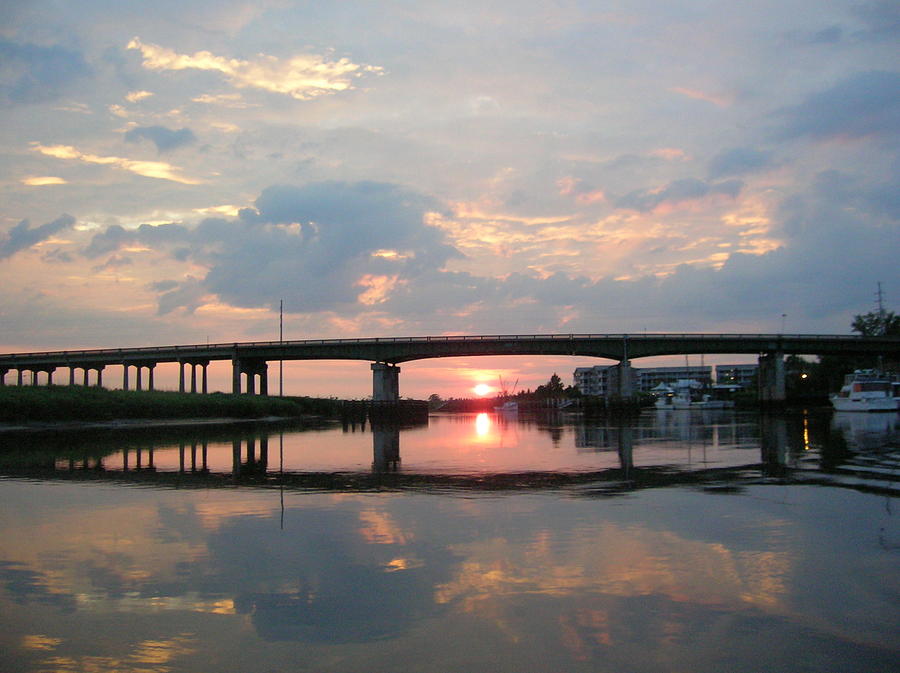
(172, 172)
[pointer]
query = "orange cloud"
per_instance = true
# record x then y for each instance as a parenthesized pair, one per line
(302, 77)
(149, 169)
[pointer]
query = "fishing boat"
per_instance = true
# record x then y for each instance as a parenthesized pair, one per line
(508, 406)
(866, 390)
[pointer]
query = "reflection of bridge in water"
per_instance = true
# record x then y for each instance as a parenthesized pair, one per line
(256, 461)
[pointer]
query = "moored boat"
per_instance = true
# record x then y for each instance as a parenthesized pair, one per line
(865, 390)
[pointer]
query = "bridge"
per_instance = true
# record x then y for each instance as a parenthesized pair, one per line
(250, 359)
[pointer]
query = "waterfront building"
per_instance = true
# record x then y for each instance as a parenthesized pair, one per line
(650, 377)
(738, 375)
(601, 380)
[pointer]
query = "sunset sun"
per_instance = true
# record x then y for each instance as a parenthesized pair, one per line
(482, 389)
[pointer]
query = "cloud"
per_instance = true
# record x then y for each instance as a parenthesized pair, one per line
(325, 246)
(114, 262)
(864, 104)
(882, 18)
(678, 192)
(116, 237)
(43, 181)
(165, 139)
(22, 236)
(149, 169)
(738, 161)
(33, 74)
(302, 77)
(188, 295)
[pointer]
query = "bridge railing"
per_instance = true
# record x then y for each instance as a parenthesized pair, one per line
(218, 347)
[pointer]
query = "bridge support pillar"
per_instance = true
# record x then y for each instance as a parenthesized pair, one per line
(20, 376)
(385, 382)
(99, 377)
(3, 372)
(193, 364)
(771, 378)
(125, 367)
(252, 369)
(626, 378)
(621, 382)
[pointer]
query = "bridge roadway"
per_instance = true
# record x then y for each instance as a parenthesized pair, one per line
(249, 359)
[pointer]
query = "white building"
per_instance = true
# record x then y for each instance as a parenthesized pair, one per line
(602, 380)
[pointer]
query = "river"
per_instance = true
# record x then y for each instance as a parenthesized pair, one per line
(676, 541)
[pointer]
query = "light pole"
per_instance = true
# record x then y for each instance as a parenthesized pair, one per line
(783, 318)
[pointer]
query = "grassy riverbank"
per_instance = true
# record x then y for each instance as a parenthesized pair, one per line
(77, 403)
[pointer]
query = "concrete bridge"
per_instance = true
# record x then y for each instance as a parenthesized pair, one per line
(250, 359)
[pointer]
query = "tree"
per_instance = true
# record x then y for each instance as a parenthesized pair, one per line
(877, 323)
(553, 389)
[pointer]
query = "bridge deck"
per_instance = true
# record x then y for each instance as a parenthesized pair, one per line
(403, 349)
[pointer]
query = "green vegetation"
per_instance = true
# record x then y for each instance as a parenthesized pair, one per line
(77, 403)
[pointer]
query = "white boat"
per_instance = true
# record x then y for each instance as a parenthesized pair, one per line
(687, 394)
(507, 408)
(865, 390)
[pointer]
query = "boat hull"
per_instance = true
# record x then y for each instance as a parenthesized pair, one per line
(870, 404)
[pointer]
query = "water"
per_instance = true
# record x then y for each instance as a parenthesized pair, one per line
(682, 541)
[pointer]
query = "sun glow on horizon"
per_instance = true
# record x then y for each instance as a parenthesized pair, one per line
(482, 390)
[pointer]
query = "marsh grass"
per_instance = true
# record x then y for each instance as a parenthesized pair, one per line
(77, 403)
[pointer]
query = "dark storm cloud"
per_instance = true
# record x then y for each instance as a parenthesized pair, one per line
(738, 161)
(686, 189)
(165, 139)
(30, 73)
(22, 236)
(864, 104)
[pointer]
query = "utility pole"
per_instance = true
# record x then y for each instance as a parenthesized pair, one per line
(281, 343)
(879, 296)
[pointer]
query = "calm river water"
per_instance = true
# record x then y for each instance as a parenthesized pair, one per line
(680, 541)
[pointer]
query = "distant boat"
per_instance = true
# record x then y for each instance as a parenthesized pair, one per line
(866, 390)
(509, 406)
(687, 394)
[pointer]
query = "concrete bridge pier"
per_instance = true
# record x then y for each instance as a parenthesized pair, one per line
(621, 382)
(249, 370)
(86, 377)
(3, 372)
(35, 375)
(770, 378)
(138, 378)
(194, 364)
(385, 382)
